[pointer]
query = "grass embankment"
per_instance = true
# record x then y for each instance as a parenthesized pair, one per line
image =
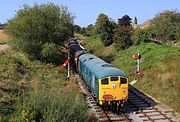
(33, 91)
(3, 38)
(159, 65)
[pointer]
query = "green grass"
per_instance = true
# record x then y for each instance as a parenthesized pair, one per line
(33, 91)
(159, 66)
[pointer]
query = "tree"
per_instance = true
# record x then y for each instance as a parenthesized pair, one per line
(104, 27)
(89, 30)
(122, 34)
(83, 31)
(141, 35)
(165, 26)
(34, 27)
(77, 28)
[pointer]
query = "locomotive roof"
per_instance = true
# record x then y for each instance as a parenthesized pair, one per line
(99, 67)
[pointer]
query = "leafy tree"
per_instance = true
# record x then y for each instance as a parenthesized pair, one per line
(83, 31)
(89, 30)
(165, 26)
(141, 35)
(122, 34)
(50, 53)
(104, 27)
(36, 26)
(77, 28)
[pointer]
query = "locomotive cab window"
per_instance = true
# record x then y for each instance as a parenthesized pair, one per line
(114, 78)
(105, 81)
(123, 80)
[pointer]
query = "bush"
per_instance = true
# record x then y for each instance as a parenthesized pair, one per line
(165, 26)
(141, 35)
(106, 38)
(52, 104)
(50, 53)
(35, 26)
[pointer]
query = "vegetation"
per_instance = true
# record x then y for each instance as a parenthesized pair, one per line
(122, 34)
(2, 25)
(33, 28)
(104, 28)
(159, 67)
(3, 38)
(33, 91)
(141, 36)
(166, 26)
(29, 89)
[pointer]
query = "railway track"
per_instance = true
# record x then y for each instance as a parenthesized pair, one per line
(139, 107)
(101, 114)
(144, 107)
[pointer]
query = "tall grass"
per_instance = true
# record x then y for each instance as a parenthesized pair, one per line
(52, 105)
(33, 91)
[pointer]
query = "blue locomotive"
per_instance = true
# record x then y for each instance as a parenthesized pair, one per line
(108, 84)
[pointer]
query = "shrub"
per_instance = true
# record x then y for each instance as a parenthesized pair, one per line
(141, 35)
(35, 26)
(52, 104)
(50, 53)
(165, 25)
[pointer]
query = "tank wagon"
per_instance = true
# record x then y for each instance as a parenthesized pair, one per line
(108, 84)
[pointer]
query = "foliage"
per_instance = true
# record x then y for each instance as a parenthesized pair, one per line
(141, 36)
(166, 26)
(2, 25)
(83, 31)
(51, 54)
(52, 104)
(89, 30)
(77, 28)
(122, 34)
(31, 90)
(104, 27)
(37, 25)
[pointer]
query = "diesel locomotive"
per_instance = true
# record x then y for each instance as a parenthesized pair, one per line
(108, 84)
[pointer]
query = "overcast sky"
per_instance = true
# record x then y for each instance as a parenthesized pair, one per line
(86, 11)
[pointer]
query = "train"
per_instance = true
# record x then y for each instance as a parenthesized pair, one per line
(108, 84)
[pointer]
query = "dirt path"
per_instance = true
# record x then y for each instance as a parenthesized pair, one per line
(3, 47)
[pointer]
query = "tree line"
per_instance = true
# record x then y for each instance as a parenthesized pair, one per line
(164, 28)
(40, 30)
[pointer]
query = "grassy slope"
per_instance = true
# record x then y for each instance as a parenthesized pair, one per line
(32, 91)
(160, 66)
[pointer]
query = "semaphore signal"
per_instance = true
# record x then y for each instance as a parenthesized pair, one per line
(137, 57)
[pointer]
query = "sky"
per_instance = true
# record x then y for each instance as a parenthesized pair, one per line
(86, 11)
